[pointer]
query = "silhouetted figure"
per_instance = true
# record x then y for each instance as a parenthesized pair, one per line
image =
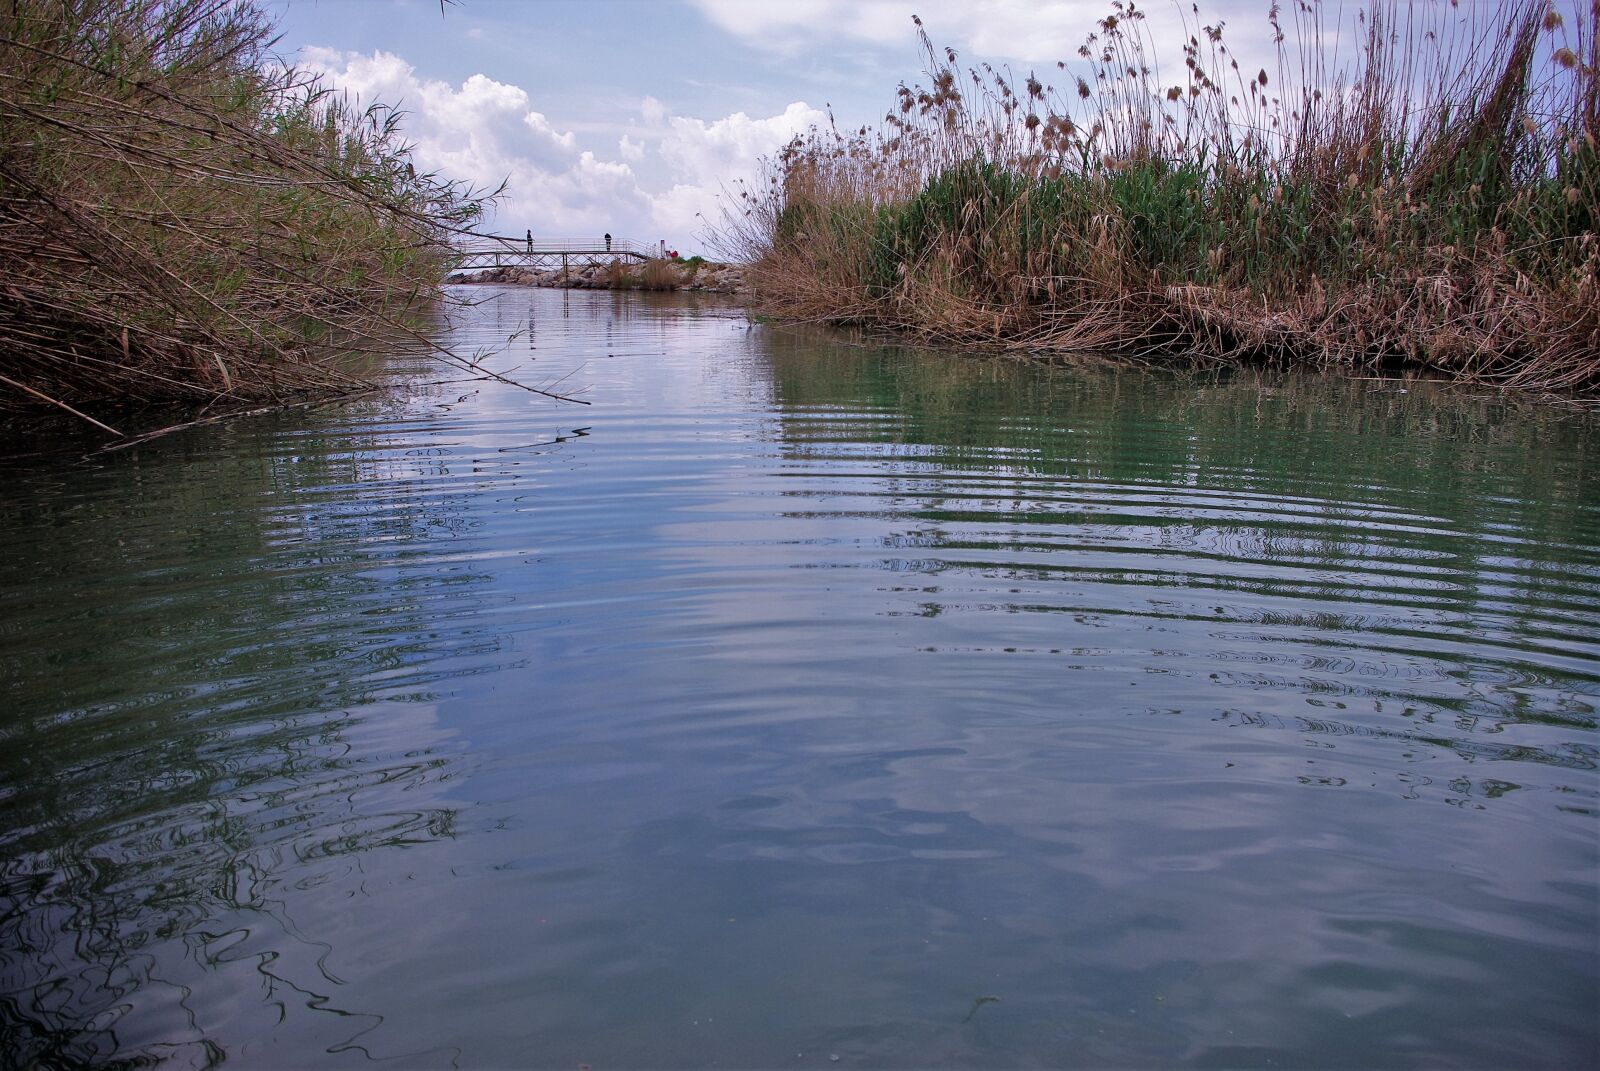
(530, 241)
(608, 243)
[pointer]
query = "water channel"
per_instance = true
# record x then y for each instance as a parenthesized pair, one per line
(802, 703)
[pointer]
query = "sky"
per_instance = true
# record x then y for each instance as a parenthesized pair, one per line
(633, 116)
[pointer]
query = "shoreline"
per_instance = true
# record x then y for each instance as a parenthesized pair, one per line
(661, 275)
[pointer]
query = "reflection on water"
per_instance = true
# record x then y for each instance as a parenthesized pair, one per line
(188, 634)
(794, 699)
(1339, 549)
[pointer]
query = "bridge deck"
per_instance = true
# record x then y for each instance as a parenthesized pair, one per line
(495, 251)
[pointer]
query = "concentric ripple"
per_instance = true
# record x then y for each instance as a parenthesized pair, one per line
(794, 699)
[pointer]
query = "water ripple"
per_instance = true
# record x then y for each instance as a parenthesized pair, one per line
(793, 697)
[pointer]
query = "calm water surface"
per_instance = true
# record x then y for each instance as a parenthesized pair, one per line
(797, 705)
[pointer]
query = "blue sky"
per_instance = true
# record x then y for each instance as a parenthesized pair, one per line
(596, 61)
(631, 117)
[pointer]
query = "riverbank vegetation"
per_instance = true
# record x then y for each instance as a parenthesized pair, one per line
(183, 218)
(1432, 205)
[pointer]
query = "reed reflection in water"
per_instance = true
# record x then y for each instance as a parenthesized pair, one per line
(795, 697)
(228, 676)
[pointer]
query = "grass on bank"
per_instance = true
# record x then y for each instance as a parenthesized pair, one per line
(1432, 205)
(181, 218)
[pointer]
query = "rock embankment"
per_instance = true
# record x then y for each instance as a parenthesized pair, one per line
(657, 275)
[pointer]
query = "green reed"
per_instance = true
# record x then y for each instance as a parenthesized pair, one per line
(1431, 205)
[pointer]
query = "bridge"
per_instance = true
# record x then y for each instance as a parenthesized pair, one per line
(500, 251)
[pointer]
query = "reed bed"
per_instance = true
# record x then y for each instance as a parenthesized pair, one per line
(659, 274)
(183, 218)
(1429, 205)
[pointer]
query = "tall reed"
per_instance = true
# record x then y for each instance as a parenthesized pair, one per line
(183, 218)
(1430, 205)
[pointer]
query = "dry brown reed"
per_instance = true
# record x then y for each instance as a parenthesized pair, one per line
(659, 274)
(654, 274)
(183, 218)
(1432, 205)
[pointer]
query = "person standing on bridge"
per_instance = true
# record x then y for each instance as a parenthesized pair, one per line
(608, 243)
(530, 241)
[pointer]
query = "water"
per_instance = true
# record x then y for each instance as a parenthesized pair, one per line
(792, 700)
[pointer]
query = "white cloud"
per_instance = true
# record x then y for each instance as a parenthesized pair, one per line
(777, 26)
(475, 132)
(706, 159)
(664, 182)
(685, 209)
(652, 110)
(1026, 31)
(727, 147)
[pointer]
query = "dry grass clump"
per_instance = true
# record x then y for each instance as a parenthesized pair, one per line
(180, 218)
(654, 274)
(659, 274)
(1432, 205)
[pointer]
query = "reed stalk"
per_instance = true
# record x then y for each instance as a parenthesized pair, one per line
(184, 218)
(1430, 205)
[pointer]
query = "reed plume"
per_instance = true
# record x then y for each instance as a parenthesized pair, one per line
(1431, 206)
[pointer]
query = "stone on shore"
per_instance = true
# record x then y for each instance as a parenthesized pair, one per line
(705, 277)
